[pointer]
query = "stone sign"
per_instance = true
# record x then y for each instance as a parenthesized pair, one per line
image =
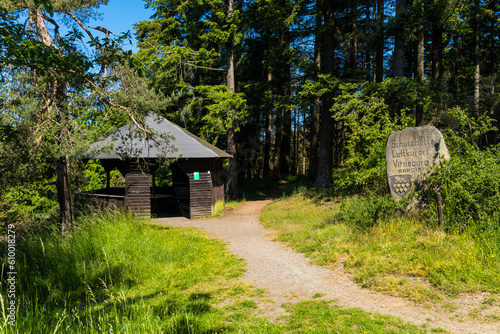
(409, 153)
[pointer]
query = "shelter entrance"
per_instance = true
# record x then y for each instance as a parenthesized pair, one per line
(170, 193)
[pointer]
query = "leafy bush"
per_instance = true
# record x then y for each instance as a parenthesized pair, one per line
(369, 120)
(94, 176)
(298, 184)
(364, 212)
(29, 205)
(470, 181)
(470, 188)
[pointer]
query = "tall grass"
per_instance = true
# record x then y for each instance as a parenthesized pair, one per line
(115, 274)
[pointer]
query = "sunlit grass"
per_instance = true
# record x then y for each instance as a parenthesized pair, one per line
(399, 255)
(323, 317)
(115, 274)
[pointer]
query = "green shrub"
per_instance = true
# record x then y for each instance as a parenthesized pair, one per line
(470, 189)
(364, 212)
(368, 120)
(30, 205)
(94, 176)
(297, 185)
(470, 181)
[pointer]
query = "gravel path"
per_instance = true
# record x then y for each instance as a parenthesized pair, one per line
(289, 277)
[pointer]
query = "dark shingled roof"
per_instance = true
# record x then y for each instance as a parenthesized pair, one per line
(181, 143)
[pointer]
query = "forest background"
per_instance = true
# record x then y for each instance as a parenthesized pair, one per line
(286, 87)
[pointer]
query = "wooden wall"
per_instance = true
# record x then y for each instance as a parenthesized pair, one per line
(102, 201)
(200, 195)
(203, 193)
(200, 191)
(218, 180)
(138, 194)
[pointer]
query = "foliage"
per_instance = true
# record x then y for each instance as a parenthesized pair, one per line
(95, 177)
(296, 184)
(464, 131)
(116, 272)
(365, 111)
(57, 97)
(219, 101)
(469, 185)
(469, 181)
(29, 205)
(182, 53)
(364, 212)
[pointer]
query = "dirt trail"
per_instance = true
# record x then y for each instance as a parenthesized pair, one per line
(289, 277)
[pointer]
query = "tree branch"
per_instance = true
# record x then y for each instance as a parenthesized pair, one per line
(203, 67)
(55, 25)
(126, 109)
(84, 27)
(214, 54)
(41, 28)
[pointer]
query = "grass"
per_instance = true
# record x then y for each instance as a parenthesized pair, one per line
(390, 253)
(115, 274)
(322, 317)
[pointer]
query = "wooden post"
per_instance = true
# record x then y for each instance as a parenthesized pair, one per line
(440, 210)
(108, 178)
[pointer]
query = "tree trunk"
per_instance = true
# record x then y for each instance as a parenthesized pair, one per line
(286, 139)
(315, 111)
(277, 144)
(339, 143)
(313, 153)
(352, 59)
(477, 60)
(325, 164)
(232, 170)
(63, 167)
(399, 41)
(437, 50)
(63, 186)
(268, 131)
(379, 53)
(437, 13)
(419, 110)
(286, 92)
(492, 54)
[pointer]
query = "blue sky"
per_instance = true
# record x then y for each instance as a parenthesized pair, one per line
(118, 16)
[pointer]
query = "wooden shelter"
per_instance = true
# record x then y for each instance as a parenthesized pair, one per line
(197, 172)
